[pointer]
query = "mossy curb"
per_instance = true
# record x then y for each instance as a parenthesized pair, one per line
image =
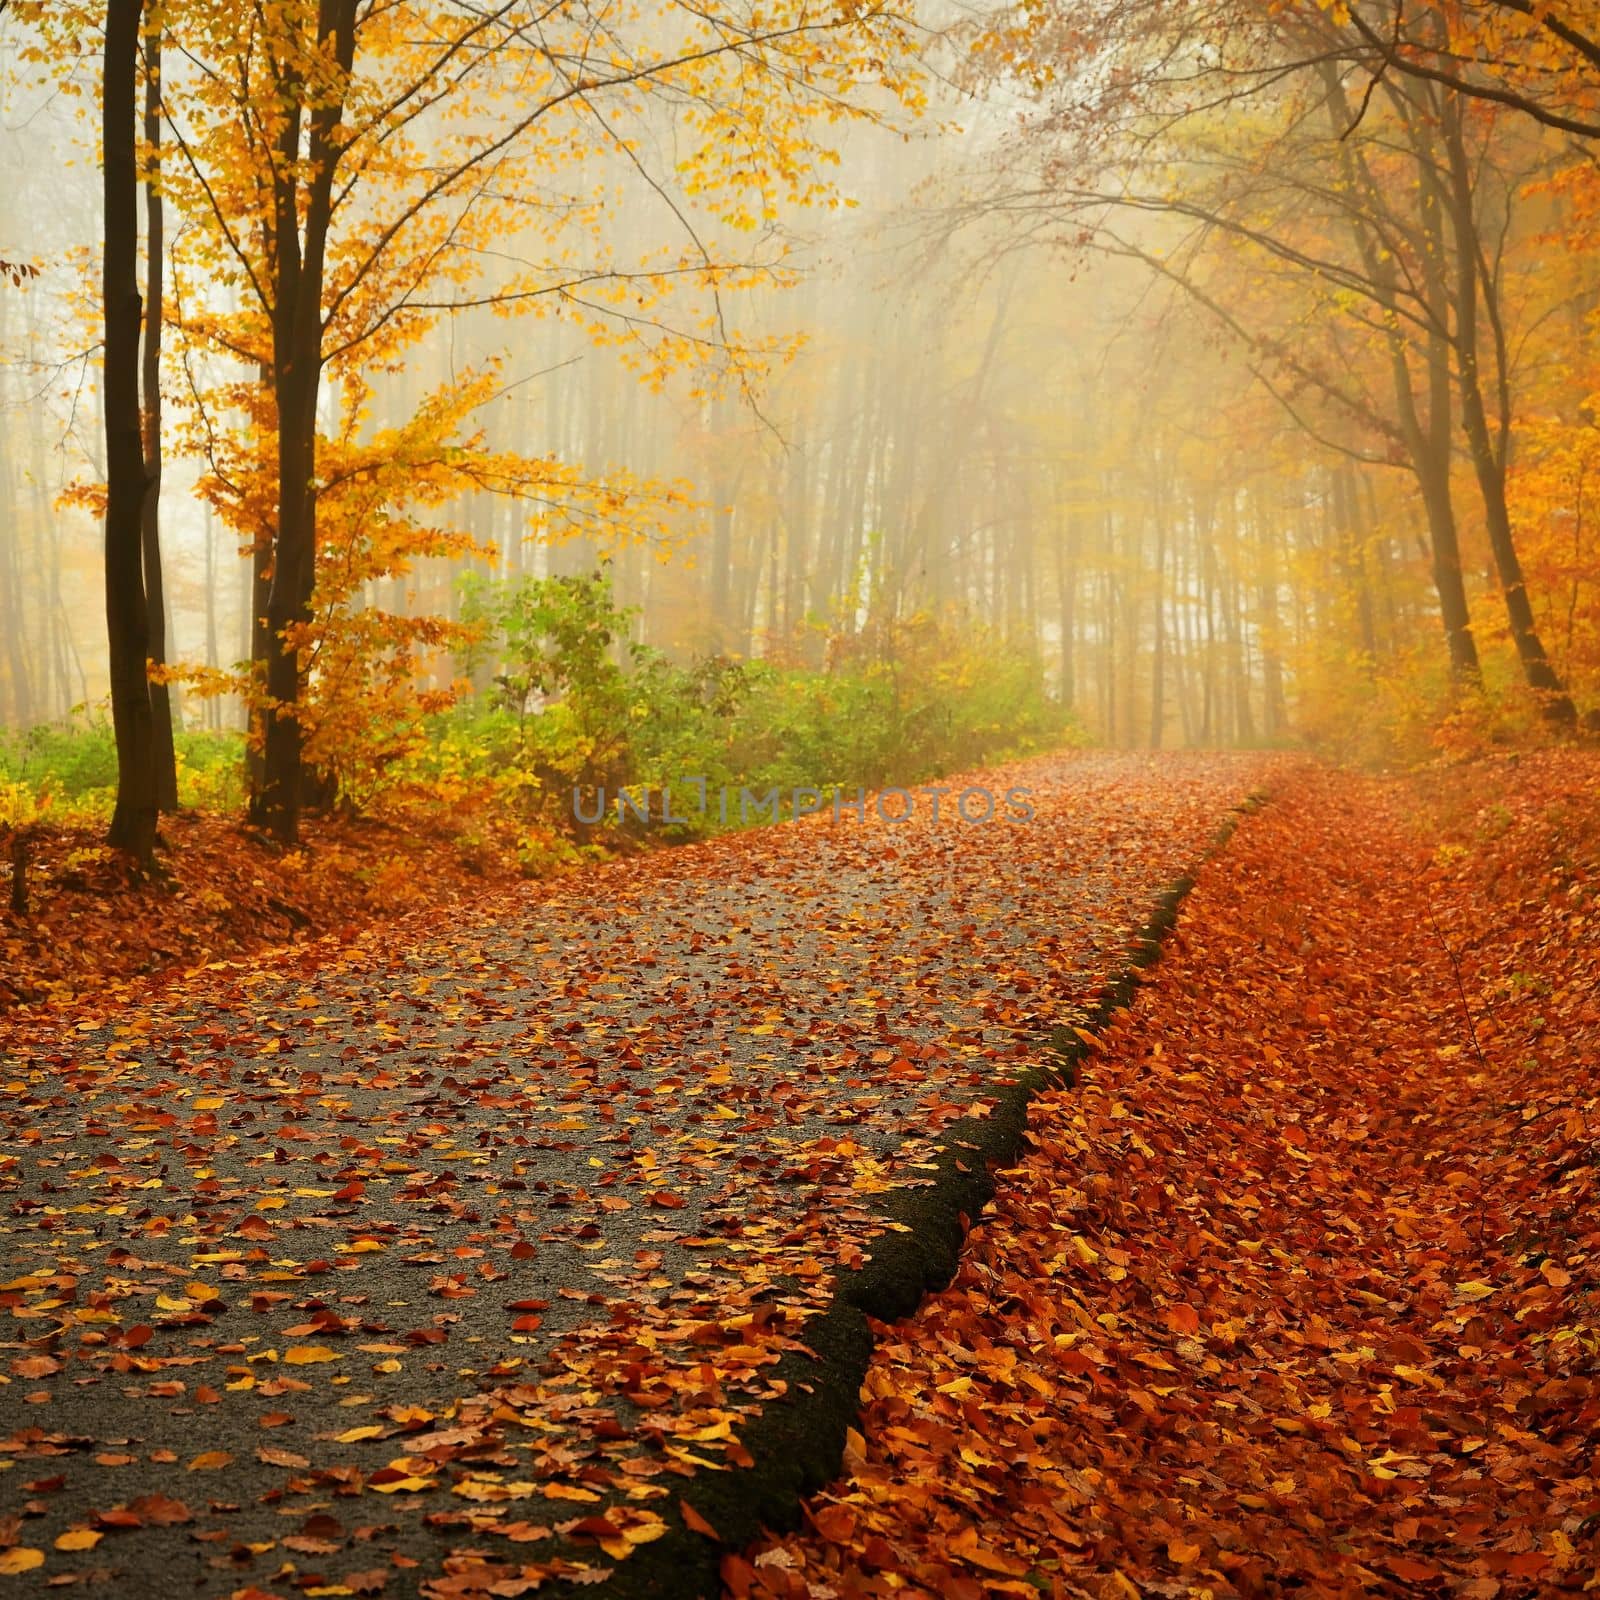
(797, 1443)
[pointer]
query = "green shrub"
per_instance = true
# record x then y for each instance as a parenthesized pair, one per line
(75, 760)
(562, 706)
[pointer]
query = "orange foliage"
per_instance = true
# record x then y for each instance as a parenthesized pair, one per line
(1297, 1290)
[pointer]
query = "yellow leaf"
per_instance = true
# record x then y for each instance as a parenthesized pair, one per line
(210, 1461)
(78, 1539)
(351, 1435)
(969, 1547)
(649, 1528)
(303, 1355)
(21, 1559)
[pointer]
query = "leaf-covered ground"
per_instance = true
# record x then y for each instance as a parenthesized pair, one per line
(1298, 1291)
(452, 1260)
(224, 891)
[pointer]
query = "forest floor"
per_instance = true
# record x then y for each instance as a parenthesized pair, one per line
(1298, 1290)
(525, 1244)
(224, 890)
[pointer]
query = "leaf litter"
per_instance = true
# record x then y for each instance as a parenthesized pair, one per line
(445, 1261)
(1298, 1291)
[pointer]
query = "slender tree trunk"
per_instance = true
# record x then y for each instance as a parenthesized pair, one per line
(12, 615)
(296, 377)
(1427, 441)
(1066, 595)
(164, 756)
(1158, 655)
(213, 703)
(1488, 452)
(133, 823)
(1274, 708)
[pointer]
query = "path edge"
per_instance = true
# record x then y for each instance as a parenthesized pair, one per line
(798, 1442)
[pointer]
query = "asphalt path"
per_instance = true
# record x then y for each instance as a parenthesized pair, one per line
(456, 1260)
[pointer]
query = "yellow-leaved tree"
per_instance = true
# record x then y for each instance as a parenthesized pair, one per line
(340, 175)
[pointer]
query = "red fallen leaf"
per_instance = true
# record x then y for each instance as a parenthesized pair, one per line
(835, 1523)
(371, 1581)
(161, 1511)
(969, 1547)
(522, 1532)
(118, 1517)
(35, 1366)
(351, 1191)
(526, 1324)
(254, 1227)
(522, 1250)
(738, 1576)
(1412, 1571)
(1182, 1319)
(304, 1545)
(140, 1333)
(1527, 1563)
(527, 1305)
(274, 1457)
(695, 1523)
(877, 1552)
(667, 1200)
(591, 1528)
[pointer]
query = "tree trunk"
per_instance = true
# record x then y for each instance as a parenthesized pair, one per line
(1427, 441)
(1158, 655)
(133, 823)
(1488, 450)
(296, 378)
(163, 754)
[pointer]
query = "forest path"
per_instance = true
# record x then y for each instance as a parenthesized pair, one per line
(1297, 1291)
(398, 1266)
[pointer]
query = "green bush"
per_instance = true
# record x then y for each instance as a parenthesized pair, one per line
(75, 761)
(562, 707)
(71, 766)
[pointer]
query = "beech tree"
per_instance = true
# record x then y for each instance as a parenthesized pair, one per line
(133, 824)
